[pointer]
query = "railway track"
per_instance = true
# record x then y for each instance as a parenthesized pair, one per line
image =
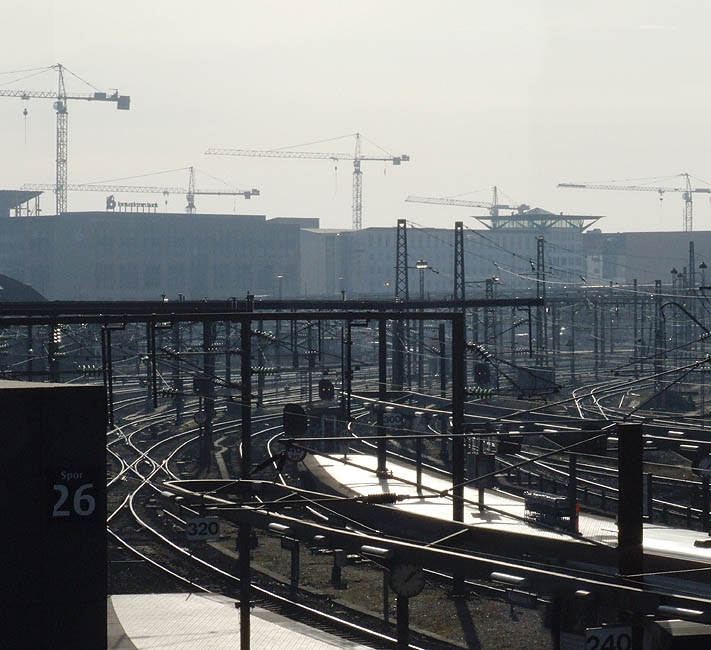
(142, 469)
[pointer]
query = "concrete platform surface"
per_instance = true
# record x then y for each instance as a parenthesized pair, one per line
(205, 622)
(357, 473)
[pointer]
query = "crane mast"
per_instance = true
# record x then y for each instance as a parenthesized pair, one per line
(356, 157)
(60, 106)
(357, 203)
(123, 102)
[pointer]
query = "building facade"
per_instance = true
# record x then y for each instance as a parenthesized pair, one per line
(362, 262)
(139, 256)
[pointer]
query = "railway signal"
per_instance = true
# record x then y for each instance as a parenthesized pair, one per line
(482, 374)
(326, 390)
(294, 420)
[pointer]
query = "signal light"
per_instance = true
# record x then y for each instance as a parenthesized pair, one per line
(325, 389)
(482, 373)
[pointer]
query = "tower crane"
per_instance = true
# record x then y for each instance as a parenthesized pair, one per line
(190, 192)
(123, 103)
(356, 157)
(492, 207)
(687, 192)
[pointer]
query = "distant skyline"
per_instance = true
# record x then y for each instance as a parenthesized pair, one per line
(521, 95)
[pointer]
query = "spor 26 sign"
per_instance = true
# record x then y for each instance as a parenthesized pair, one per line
(73, 493)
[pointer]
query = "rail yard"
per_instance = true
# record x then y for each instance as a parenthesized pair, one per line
(403, 473)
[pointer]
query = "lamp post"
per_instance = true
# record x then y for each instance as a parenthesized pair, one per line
(421, 266)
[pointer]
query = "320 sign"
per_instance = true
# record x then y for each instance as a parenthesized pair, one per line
(202, 528)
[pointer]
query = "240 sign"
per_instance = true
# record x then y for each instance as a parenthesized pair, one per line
(608, 638)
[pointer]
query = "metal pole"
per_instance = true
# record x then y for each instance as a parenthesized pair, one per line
(103, 369)
(228, 353)
(629, 515)
(382, 394)
(635, 336)
(459, 377)
(705, 503)
(30, 353)
(421, 338)
(572, 343)
(109, 377)
(343, 374)
(442, 392)
(513, 335)
(177, 379)
(261, 362)
(573, 491)
(246, 379)
(154, 367)
(311, 359)
(596, 359)
(208, 340)
(403, 623)
(294, 344)
(245, 578)
(555, 338)
(277, 328)
(52, 350)
(349, 369)
(660, 345)
(603, 314)
(458, 380)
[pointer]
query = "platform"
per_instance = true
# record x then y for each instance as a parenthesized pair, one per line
(205, 622)
(356, 473)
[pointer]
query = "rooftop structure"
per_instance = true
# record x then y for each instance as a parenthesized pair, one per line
(17, 202)
(537, 219)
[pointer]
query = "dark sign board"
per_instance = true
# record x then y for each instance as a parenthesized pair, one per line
(53, 463)
(294, 419)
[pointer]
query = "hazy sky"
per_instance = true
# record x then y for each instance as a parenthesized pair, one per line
(518, 94)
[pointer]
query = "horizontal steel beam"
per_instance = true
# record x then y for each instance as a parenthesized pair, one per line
(232, 316)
